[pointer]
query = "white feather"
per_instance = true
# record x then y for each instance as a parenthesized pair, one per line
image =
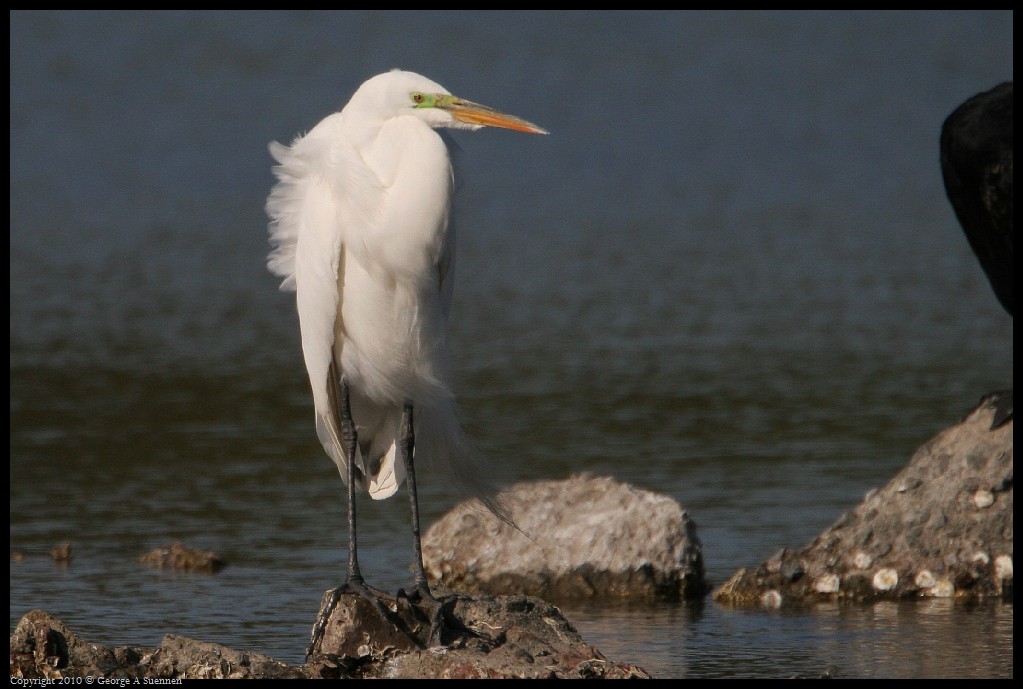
(359, 226)
(361, 234)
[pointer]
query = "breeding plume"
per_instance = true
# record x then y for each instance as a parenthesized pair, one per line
(359, 224)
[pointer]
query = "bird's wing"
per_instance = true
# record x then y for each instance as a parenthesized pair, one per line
(306, 230)
(446, 271)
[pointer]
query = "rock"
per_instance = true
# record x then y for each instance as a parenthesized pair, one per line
(181, 657)
(508, 637)
(942, 527)
(584, 537)
(62, 553)
(43, 647)
(177, 556)
(491, 637)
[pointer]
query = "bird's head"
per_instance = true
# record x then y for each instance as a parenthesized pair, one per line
(397, 93)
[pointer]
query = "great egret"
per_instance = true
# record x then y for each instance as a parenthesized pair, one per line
(359, 222)
(976, 165)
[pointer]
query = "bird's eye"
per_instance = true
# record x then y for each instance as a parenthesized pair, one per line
(418, 98)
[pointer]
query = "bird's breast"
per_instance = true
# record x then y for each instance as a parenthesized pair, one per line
(405, 235)
(394, 322)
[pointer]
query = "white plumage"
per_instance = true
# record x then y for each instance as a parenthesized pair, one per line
(359, 222)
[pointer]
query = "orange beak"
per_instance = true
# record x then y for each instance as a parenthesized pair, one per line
(474, 113)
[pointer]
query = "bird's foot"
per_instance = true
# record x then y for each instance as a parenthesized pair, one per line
(357, 587)
(423, 606)
(438, 613)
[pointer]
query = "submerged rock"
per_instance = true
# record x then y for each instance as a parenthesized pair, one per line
(941, 528)
(62, 553)
(584, 537)
(177, 556)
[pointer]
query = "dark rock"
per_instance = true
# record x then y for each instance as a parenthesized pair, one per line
(941, 528)
(43, 647)
(511, 637)
(584, 537)
(491, 637)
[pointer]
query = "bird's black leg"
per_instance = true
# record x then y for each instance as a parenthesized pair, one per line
(421, 595)
(349, 438)
(407, 439)
(354, 582)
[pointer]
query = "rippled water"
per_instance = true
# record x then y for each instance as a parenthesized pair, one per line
(730, 274)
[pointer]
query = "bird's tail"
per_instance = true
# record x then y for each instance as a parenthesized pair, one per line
(447, 452)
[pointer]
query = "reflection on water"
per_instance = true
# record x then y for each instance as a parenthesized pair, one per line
(730, 274)
(841, 641)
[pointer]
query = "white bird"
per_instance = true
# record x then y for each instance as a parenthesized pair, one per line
(360, 229)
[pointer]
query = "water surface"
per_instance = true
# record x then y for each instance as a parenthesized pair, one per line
(729, 274)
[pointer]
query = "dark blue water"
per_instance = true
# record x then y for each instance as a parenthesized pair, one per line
(729, 274)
